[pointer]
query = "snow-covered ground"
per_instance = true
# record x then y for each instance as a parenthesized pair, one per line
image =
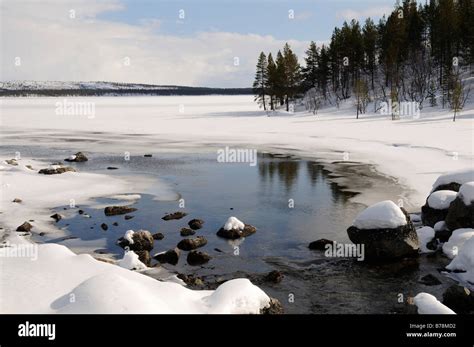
(413, 151)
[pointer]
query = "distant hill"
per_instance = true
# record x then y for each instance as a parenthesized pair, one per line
(58, 88)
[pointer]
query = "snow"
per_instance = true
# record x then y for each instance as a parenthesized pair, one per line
(458, 176)
(129, 236)
(60, 281)
(233, 223)
(464, 261)
(126, 197)
(130, 261)
(413, 151)
(428, 304)
(384, 214)
(456, 241)
(441, 199)
(440, 226)
(466, 193)
(425, 235)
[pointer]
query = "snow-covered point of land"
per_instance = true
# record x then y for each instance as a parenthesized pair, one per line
(413, 151)
(466, 193)
(62, 85)
(458, 176)
(126, 197)
(234, 224)
(425, 235)
(456, 241)
(48, 285)
(428, 304)
(129, 236)
(441, 199)
(130, 261)
(384, 214)
(464, 261)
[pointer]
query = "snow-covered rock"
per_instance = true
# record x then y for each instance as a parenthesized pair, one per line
(453, 180)
(440, 226)
(456, 241)
(234, 223)
(441, 199)
(425, 235)
(386, 232)
(129, 236)
(464, 261)
(428, 304)
(466, 193)
(235, 229)
(130, 261)
(384, 214)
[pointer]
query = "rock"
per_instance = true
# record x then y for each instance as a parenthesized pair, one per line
(80, 212)
(115, 224)
(320, 244)
(274, 276)
(11, 162)
(144, 257)
(142, 241)
(195, 224)
(459, 299)
(17, 200)
(158, 236)
(459, 215)
(148, 155)
(57, 217)
(387, 243)
(436, 207)
(112, 168)
(29, 167)
(197, 258)
(274, 307)
(116, 210)
(169, 257)
(128, 217)
(233, 234)
(187, 232)
(218, 250)
(104, 226)
(79, 157)
(453, 186)
(191, 280)
(26, 227)
(175, 215)
(193, 243)
(56, 171)
(429, 280)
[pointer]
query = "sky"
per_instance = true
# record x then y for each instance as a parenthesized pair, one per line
(211, 43)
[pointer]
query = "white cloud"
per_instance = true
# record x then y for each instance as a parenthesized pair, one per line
(53, 46)
(376, 11)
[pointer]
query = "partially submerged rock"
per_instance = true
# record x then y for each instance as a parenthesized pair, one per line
(195, 224)
(274, 307)
(274, 276)
(79, 157)
(175, 215)
(386, 232)
(56, 170)
(158, 236)
(25, 227)
(11, 162)
(320, 244)
(57, 217)
(17, 200)
(235, 229)
(169, 257)
(140, 240)
(461, 211)
(187, 232)
(436, 207)
(117, 210)
(104, 226)
(192, 243)
(197, 258)
(430, 280)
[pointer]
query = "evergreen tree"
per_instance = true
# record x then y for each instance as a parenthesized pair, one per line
(310, 71)
(261, 80)
(292, 74)
(272, 81)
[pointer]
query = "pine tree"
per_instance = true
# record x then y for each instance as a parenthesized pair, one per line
(281, 80)
(310, 71)
(272, 81)
(261, 80)
(369, 38)
(292, 74)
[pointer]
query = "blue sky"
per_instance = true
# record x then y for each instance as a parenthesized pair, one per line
(313, 19)
(143, 41)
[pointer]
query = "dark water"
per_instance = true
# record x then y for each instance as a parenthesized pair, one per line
(259, 196)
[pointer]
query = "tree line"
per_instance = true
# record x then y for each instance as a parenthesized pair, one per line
(419, 52)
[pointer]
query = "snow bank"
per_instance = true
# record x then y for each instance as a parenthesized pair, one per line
(234, 224)
(130, 261)
(466, 193)
(384, 214)
(60, 281)
(129, 236)
(458, 176)
(464, 261)
(425, 235)
(428, 304)
(456, 241)
(441, 199)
